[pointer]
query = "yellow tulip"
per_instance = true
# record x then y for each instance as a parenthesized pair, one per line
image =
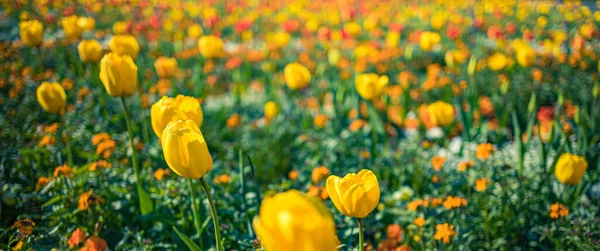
(165, 67)
(31, 32)
(195, 31)
(355, 195)
(352, 28)
(428, 40)
(292, 221)
(87, 23)
(392, 39)
(497, 61)
(168, 110)
(296, 76)
(525, 56)
(271, 110)
(440, 113)
(118, 74)
(211, 47)
(570, 168)
(438, 21)
(119, 28)
(89, 51)
(124, 45)
(281, 39)
(370, 85)
(51, 96)
(185, 149)
(71, 26)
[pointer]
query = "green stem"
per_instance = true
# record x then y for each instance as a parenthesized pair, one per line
(136, 168)
(213, 212)
(361, 235)
(195, 211)
(66, 140)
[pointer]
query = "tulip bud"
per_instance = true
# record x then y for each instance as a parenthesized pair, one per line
(31, 32)
(595, 90)
(472, 66)
(51, 96)
(271, 110)
(561, 99)
(570, 168)
(355, 195)
(408, 52)
(440, 113)
(118, 74)
(532, 101)
(577, 115)
(124, 45)
(333, 56)
(296, 76)
(293, 221)
(370, 86)
(89, 51)
(211, 47)
(165, 67)
(185, 149)
(168, 110)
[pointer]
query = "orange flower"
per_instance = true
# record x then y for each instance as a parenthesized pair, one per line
(438, 162)
(419, 222)
(394, 232)
(558, 210)
(484, 151)
(64, 170)
(481, 184)
(77, 237)
(160, 173)
(25, 227)
(88, 199)
(320, 173)
(99, 164)
(94, 243)
(234, 120)
(42, 182)
(317, 191)
(293, 175)
(462, 166)
(320, 120)
(357, 125)
(47, 140)
(222, 179)
(444, 232)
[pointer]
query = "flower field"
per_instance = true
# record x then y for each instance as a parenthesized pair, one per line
(299, 125)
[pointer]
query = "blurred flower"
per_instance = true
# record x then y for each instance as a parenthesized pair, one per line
(404, 193)
(394, 232)
(120, 27)
(31, 32)
(51, 96)
(292, 221)
(570, 168)
(357, 125)
(99, 164)
(484, 151)
(271, 110)
(95, 243)
(419, 222)
(88, 199)
(427, 40)
(497, 61)
(195, 31)
(354, 195)
(165, 67)
(234, 120)
(89, 51)
(462, 166)
(296, 76)
(42, 182)
(222, 179)
(160, 173)
(558, 210)
(168, 110)
(352, 29)
(211, 47)
(118, 74)
(440, 113)
(320, 173)
(280, 39)
(293, 175)
(481, 184)
(438, 162)
(320, 120)
(185, 149)
(63, 170)
(77, 237)
(370, 86)
(25, 227)
(124, 45)
(444, 232)
(525, 56)
(71, 26)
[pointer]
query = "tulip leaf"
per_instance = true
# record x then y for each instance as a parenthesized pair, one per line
(191, 245)
(375, 120)
(146, 204)
(52, 201)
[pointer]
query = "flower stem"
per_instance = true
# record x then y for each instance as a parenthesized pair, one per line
(66, 140)
(213, 212)
(361, 235)
(195, 211)
(136, 168)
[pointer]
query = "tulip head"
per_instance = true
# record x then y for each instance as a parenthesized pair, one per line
(51, 96)
(370, 85)
(497, 61)
(124, 45)
(292, 221)
(440, 113)
(31, 32)
(118, 74)
(211, 47)
(185, 149)
(525, 56)
(428, 40)
(296, 76)
(271, 110)
(355, 195)
(165, 67)
(570, 168)
(71, 26)
(89, 51)
(195, 31)
(168, 110)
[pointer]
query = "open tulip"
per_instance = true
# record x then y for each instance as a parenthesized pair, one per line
(570, 168)
(525, 56)
(118, 74)
(124, 45)
(440, 113)
(71, 26)
(89, 51)
(51, 97)
(211, 47)
(165, 67)
(168, 110)
(355, 195)
(292, 221)
(296, 76)
(428, 40)
(497, 61)
(185, 149)
(271, 110)
(370, 85)
(31, 32)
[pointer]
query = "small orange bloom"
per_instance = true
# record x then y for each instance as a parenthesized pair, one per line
(462, 166)
(320, 120)
(419, 222)
(87, 199)
(484, 151)
(293, 175)
(234, 120)
(438, 162)
(481, 184)
(77, 237)
(63, 170)
(94, 243)
(320, 173)
(160, 173)
(394, 232)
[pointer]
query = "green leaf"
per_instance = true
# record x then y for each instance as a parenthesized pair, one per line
(375, 120)
(187, 240)
(146, 204)
(52, 201)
